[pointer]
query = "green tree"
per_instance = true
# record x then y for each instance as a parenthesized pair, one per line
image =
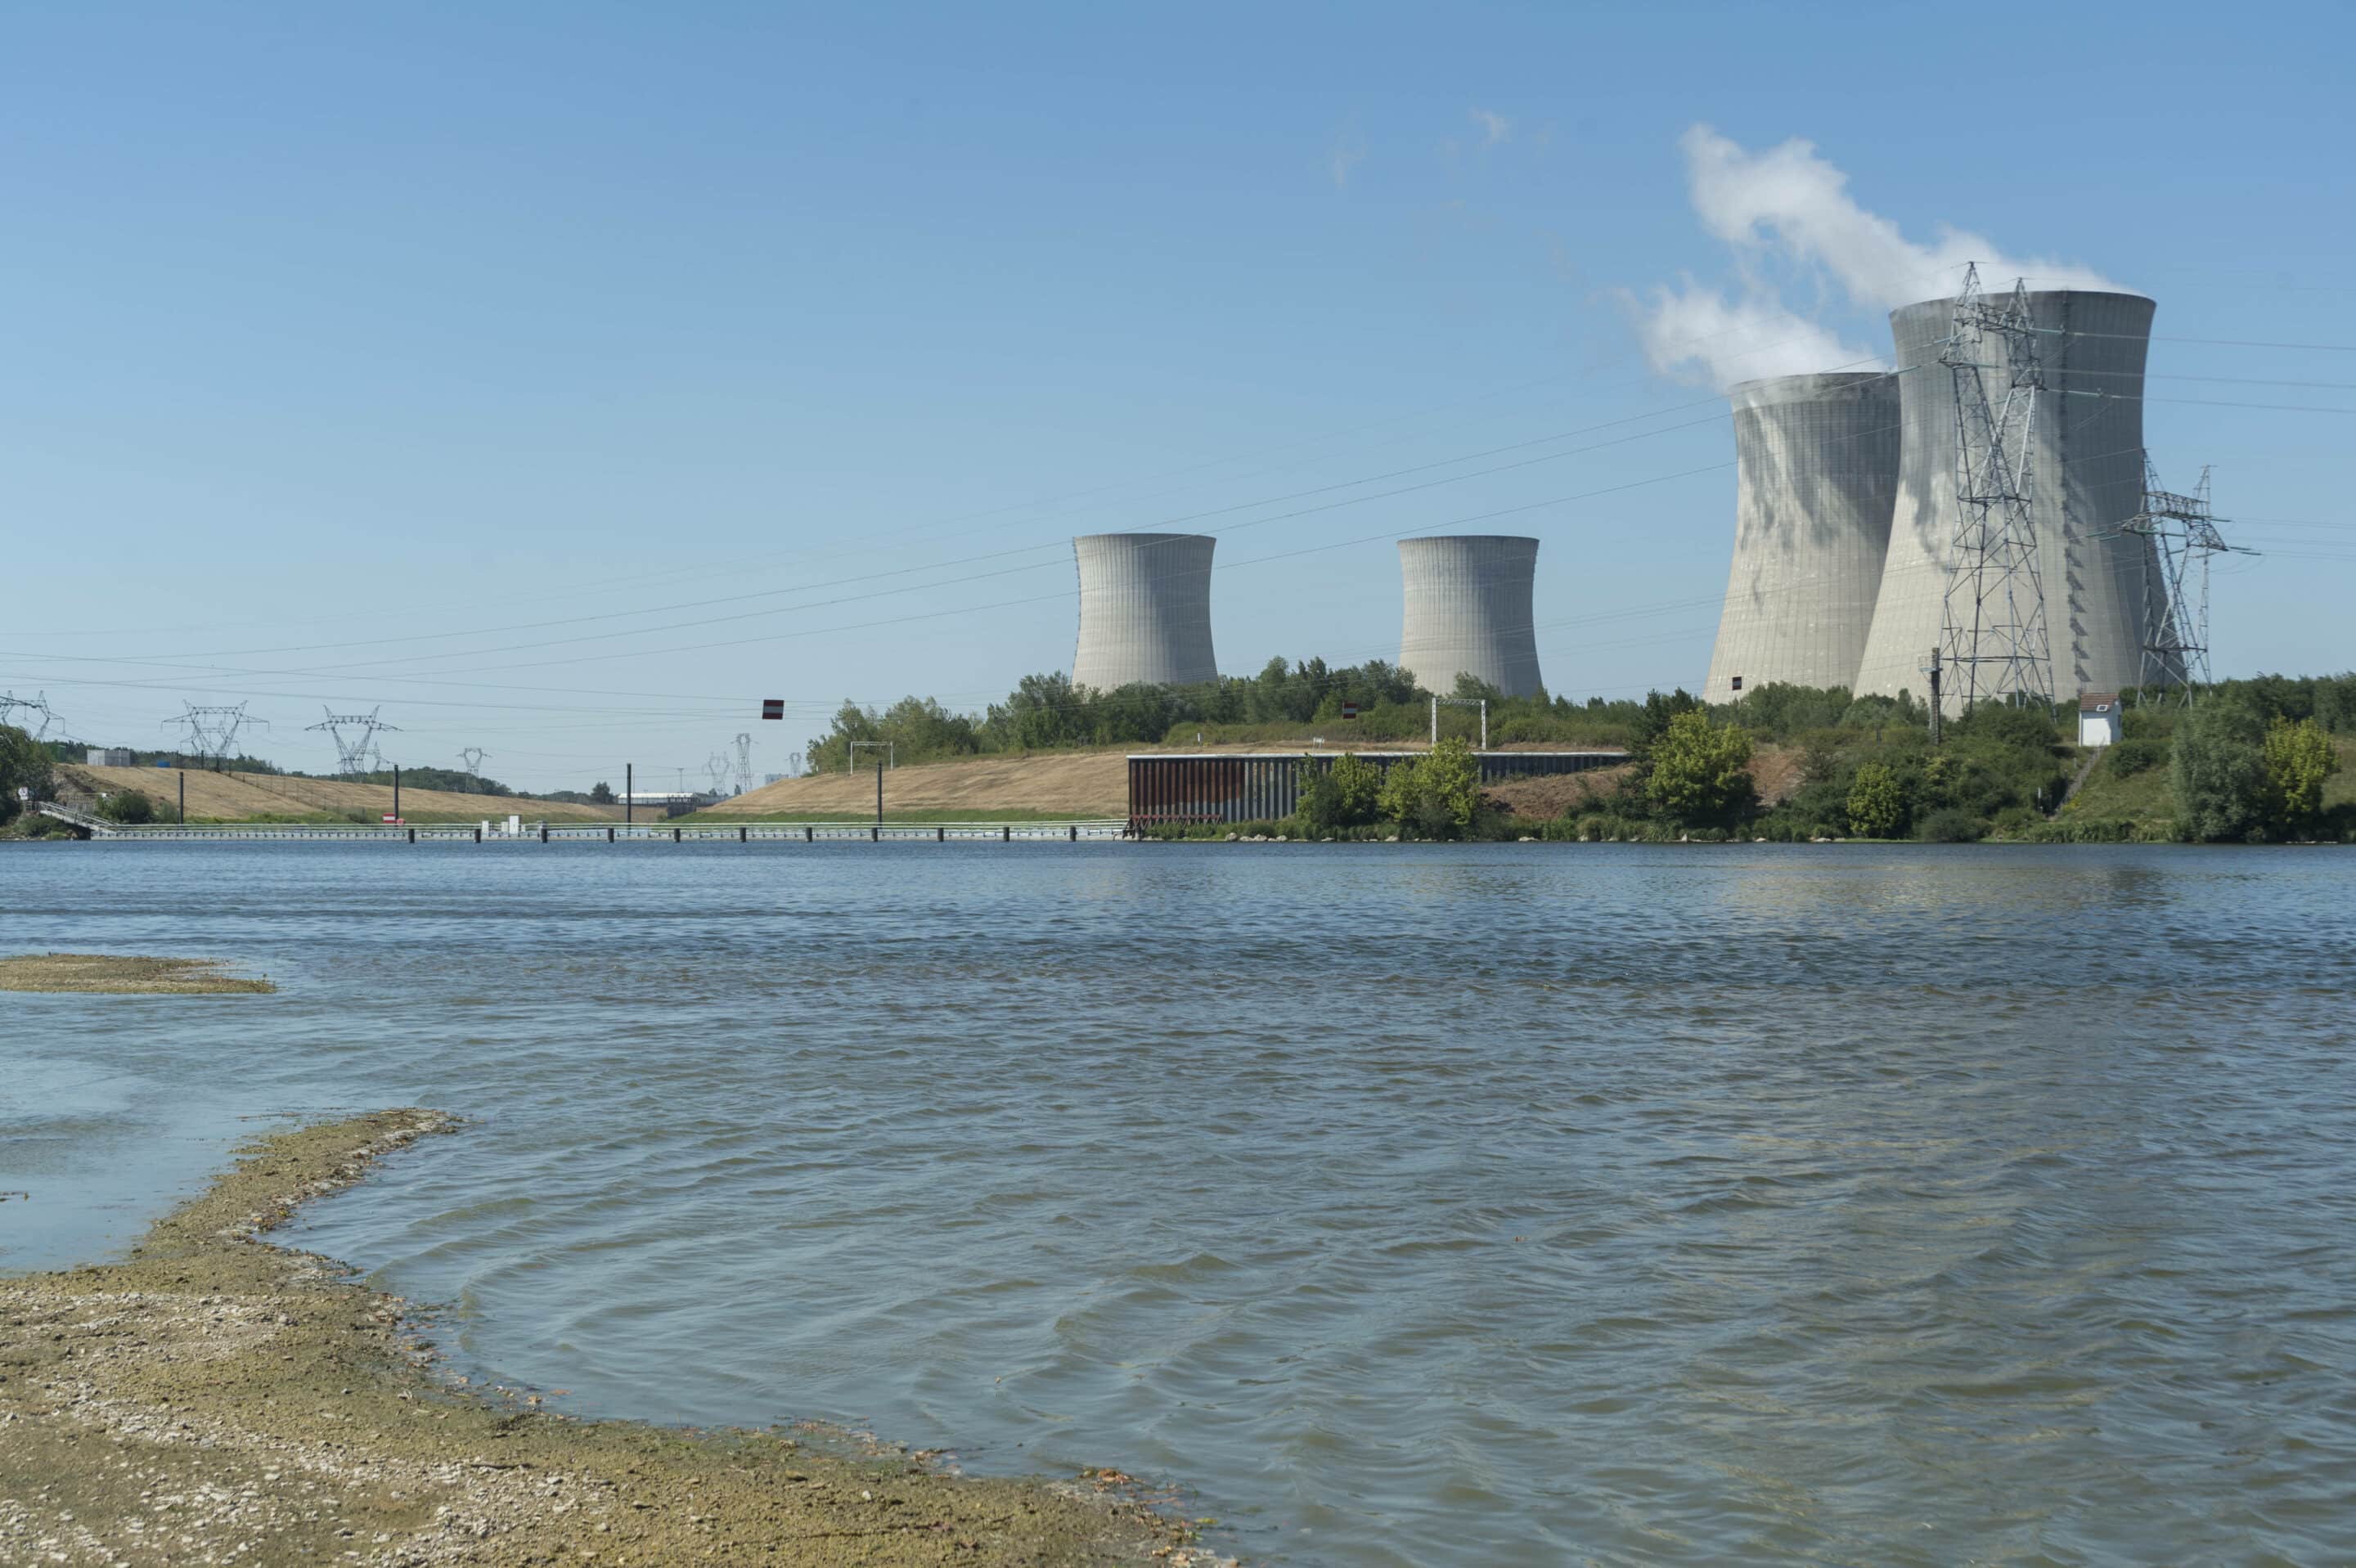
(1437, 793)
(1701, 769)
(1357, 787)
(24, 764)
(2219, 771)
(2299, 758)
(601, 794)
(1878, 806)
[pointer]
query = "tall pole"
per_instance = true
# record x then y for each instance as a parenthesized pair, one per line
(879, 797)
(629, 788)
(1435, 720)
(1934, 673)
(396, 792)
(182, 774)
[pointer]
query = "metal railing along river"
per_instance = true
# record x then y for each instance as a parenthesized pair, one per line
(511, 832)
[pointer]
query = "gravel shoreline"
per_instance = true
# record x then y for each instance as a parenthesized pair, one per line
(214, 1399)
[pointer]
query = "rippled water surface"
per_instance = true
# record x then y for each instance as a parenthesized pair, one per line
(1496, 1205)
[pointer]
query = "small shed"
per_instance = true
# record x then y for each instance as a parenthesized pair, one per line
(2098, 718)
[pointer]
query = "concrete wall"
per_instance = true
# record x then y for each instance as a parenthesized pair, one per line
(1816, 474)
(1469, 612)
(1145, 610)
(2087, 477)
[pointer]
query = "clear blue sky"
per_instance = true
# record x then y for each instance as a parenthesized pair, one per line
(333, 327)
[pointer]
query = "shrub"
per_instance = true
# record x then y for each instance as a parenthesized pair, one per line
(2129, 758)
(2298, 758)
(1700, 769)
(127, 805)
(1951, 825)
(2219, 771)
(1877, 802)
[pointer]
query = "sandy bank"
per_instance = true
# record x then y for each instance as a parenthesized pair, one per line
(117, 975)
(214, 1398)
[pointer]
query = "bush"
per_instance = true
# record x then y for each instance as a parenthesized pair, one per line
(1951, 825)
(127, 805)
(1435, 795)
(2220, 773)
(2129, 758)
(1700, 769)
(2299, 758)
(1877, 802)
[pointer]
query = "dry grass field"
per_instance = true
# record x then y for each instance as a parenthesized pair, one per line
(1071, 784)
(1067, 783)
(234, 798)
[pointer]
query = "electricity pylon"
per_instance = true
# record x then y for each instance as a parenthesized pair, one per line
(353, 756)
(1992, 620)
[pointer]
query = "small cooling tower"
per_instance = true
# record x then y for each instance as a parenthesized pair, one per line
(1468, 612)
(1145, 611)
(1815, 475)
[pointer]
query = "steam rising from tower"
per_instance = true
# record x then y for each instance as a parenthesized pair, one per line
(1145, 611)
(1469, 612)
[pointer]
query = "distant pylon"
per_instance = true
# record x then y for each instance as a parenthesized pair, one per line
(212, 731)
(743, 762)
(38, 715)
(472, 757)
(1992, 620)
(359, 756)
(717, 767)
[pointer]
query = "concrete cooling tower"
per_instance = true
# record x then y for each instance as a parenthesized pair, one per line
(1145, 611)
(1817, 473)
(1468, 612)
(2086, 479)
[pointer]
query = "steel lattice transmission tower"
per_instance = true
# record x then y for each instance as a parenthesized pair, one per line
(210, 732)
(2183, 534)
(717, 767)
(1992, 624)
(743, 762)
(472, 757)
(354, 756)
(37, 708)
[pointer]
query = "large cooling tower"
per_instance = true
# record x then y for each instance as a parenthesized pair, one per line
(2086, 477)
(1145, 610)
(1468, 612)
(1816, 474)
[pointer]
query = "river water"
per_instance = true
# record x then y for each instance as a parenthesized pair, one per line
(1501, 1204)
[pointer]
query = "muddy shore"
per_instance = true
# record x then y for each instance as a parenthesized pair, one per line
(116, 975)
(214, 1398)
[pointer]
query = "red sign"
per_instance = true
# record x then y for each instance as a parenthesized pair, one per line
(1349, 710)
(391, 818)
(773, 708)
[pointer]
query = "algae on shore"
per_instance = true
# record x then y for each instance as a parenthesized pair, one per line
(215, 1398)
(121, 975)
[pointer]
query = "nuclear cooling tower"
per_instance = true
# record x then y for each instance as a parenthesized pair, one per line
(1815, 475)
(1468, 612)
(2086, 477)
(1145, 610)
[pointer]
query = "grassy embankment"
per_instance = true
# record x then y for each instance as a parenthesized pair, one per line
(2144, 799)
(276, 797)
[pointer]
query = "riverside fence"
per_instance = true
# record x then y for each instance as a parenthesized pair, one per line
(495, 832)
(1265, 787)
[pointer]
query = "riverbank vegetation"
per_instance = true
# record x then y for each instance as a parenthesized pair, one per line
(2261, 761)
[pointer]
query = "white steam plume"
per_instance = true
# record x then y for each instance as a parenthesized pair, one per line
(1788, 204)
